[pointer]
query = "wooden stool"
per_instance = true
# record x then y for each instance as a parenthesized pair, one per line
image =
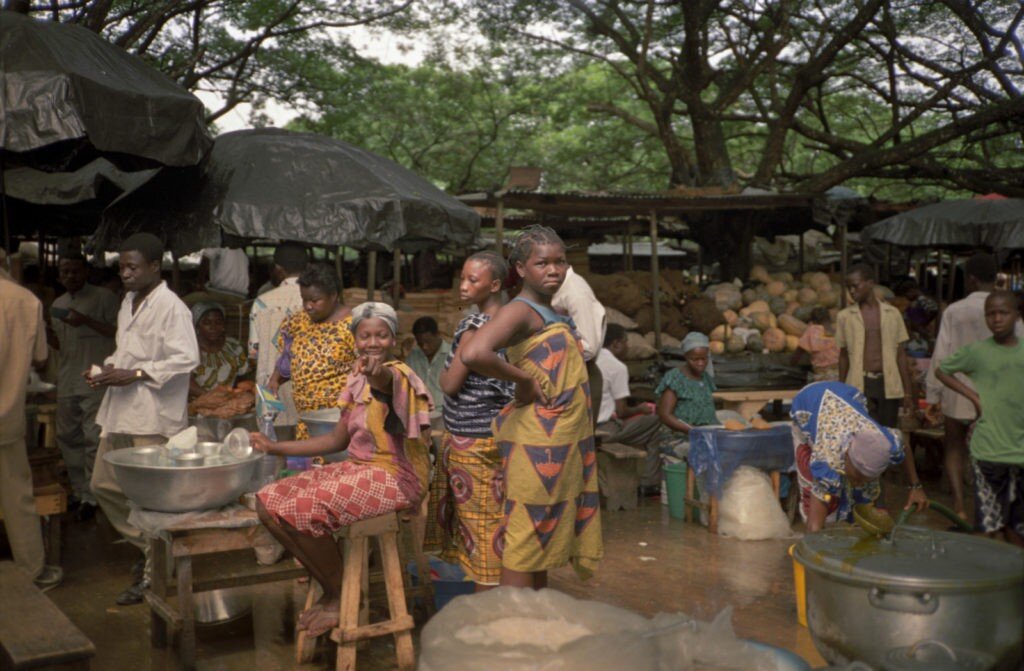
(413, 530)
(618, 474)
(46, 415)
(353, 613)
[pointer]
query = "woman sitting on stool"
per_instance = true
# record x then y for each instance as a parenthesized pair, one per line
(385, 426)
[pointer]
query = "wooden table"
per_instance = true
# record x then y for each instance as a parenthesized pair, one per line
(181, 544)
(747, 402)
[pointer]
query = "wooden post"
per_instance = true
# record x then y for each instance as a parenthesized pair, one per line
(801, 243)
(499, 229)
(175, 273)
(371, 274)
(629, 246)
(700, 264)
(939, 285)
(655, 280)
(844, 262)
(888, 261)
(396, 274)
(339, 264)
(952, 278)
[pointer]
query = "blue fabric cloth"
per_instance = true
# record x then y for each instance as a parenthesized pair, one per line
(716, 453)
(826, 415)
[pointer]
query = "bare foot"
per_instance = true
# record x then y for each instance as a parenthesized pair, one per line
(307, 614)
(324, 619)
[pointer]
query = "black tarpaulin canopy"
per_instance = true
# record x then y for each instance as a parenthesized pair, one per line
(996, 224)
(277, 184)
(68, 95)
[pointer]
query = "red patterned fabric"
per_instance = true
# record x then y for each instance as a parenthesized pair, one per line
(322, 500)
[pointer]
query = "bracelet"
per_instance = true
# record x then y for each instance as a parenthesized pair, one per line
(916, 485)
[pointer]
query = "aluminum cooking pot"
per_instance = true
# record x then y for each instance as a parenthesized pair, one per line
(162, 485)
(872, 600)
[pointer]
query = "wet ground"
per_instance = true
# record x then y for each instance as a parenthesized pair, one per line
(652, 564)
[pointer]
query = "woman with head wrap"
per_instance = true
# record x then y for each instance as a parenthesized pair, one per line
(841, 452)
(317, 351)
(385, 427)
(222, 360)
(684, 394)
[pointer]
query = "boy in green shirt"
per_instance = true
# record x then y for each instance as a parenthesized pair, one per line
(996, 367)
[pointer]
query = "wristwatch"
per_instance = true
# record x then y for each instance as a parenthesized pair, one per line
(916, 485)
(139, 374)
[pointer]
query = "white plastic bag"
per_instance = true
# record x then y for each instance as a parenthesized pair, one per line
(509, 629)
(748, 509)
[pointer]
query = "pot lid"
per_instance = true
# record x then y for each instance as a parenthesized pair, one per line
(931, 655)
(915, 557)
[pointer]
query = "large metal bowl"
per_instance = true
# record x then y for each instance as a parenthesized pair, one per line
(160, 485)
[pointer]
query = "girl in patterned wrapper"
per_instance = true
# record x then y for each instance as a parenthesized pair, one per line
(841, 452)
(317, 352)
(468, 478)
(551, 512)
(385, 426)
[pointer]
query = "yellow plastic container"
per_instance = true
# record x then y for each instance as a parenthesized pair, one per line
(800, 586)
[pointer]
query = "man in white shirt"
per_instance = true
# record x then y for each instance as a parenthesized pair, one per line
(576, 299)
(639, 432)
(227, 270)
(268, 312)
(146, 381)
(84, 323)
(962, 323)
(427, 360)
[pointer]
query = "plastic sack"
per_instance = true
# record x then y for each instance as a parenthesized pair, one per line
(748, 509)
(509, 629)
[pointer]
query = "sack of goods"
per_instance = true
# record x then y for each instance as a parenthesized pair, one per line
(748, 509)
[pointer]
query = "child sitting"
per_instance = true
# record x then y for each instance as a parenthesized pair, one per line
(996, 367)
(820, 343)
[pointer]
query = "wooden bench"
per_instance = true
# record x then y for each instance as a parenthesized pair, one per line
(618, 475)
(34, 634)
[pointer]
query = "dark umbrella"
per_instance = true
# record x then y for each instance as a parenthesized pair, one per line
(996, 224)
(68, 94)
(277, 184)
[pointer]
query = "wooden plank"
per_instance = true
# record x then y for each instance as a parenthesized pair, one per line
(374, 526)
(404, 623)
(739, 395)
(621, 451)
(207, 541)
(33, 631)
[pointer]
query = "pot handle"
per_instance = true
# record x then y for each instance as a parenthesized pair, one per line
(921, 603)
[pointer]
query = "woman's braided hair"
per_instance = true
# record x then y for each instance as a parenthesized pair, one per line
(530, 238)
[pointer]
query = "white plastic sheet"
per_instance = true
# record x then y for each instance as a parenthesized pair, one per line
(510, 629)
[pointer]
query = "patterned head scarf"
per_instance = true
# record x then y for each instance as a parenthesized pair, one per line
(378, 310)
(202, 307)
(869, 452)
(695, 340)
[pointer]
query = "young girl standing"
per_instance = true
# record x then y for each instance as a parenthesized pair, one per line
(551, 513)
(469, 471)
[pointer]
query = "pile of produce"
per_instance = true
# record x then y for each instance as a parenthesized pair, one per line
(767, 314)
(225, 402)
(771, 314)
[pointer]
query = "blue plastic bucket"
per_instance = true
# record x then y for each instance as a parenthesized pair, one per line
(449, 580)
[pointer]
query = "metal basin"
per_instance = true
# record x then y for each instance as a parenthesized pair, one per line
(164, 486)
(870, 600)
(221, 605)
(214, 429)
(320, 422)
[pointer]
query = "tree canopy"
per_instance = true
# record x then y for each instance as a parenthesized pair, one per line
(893, 89)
